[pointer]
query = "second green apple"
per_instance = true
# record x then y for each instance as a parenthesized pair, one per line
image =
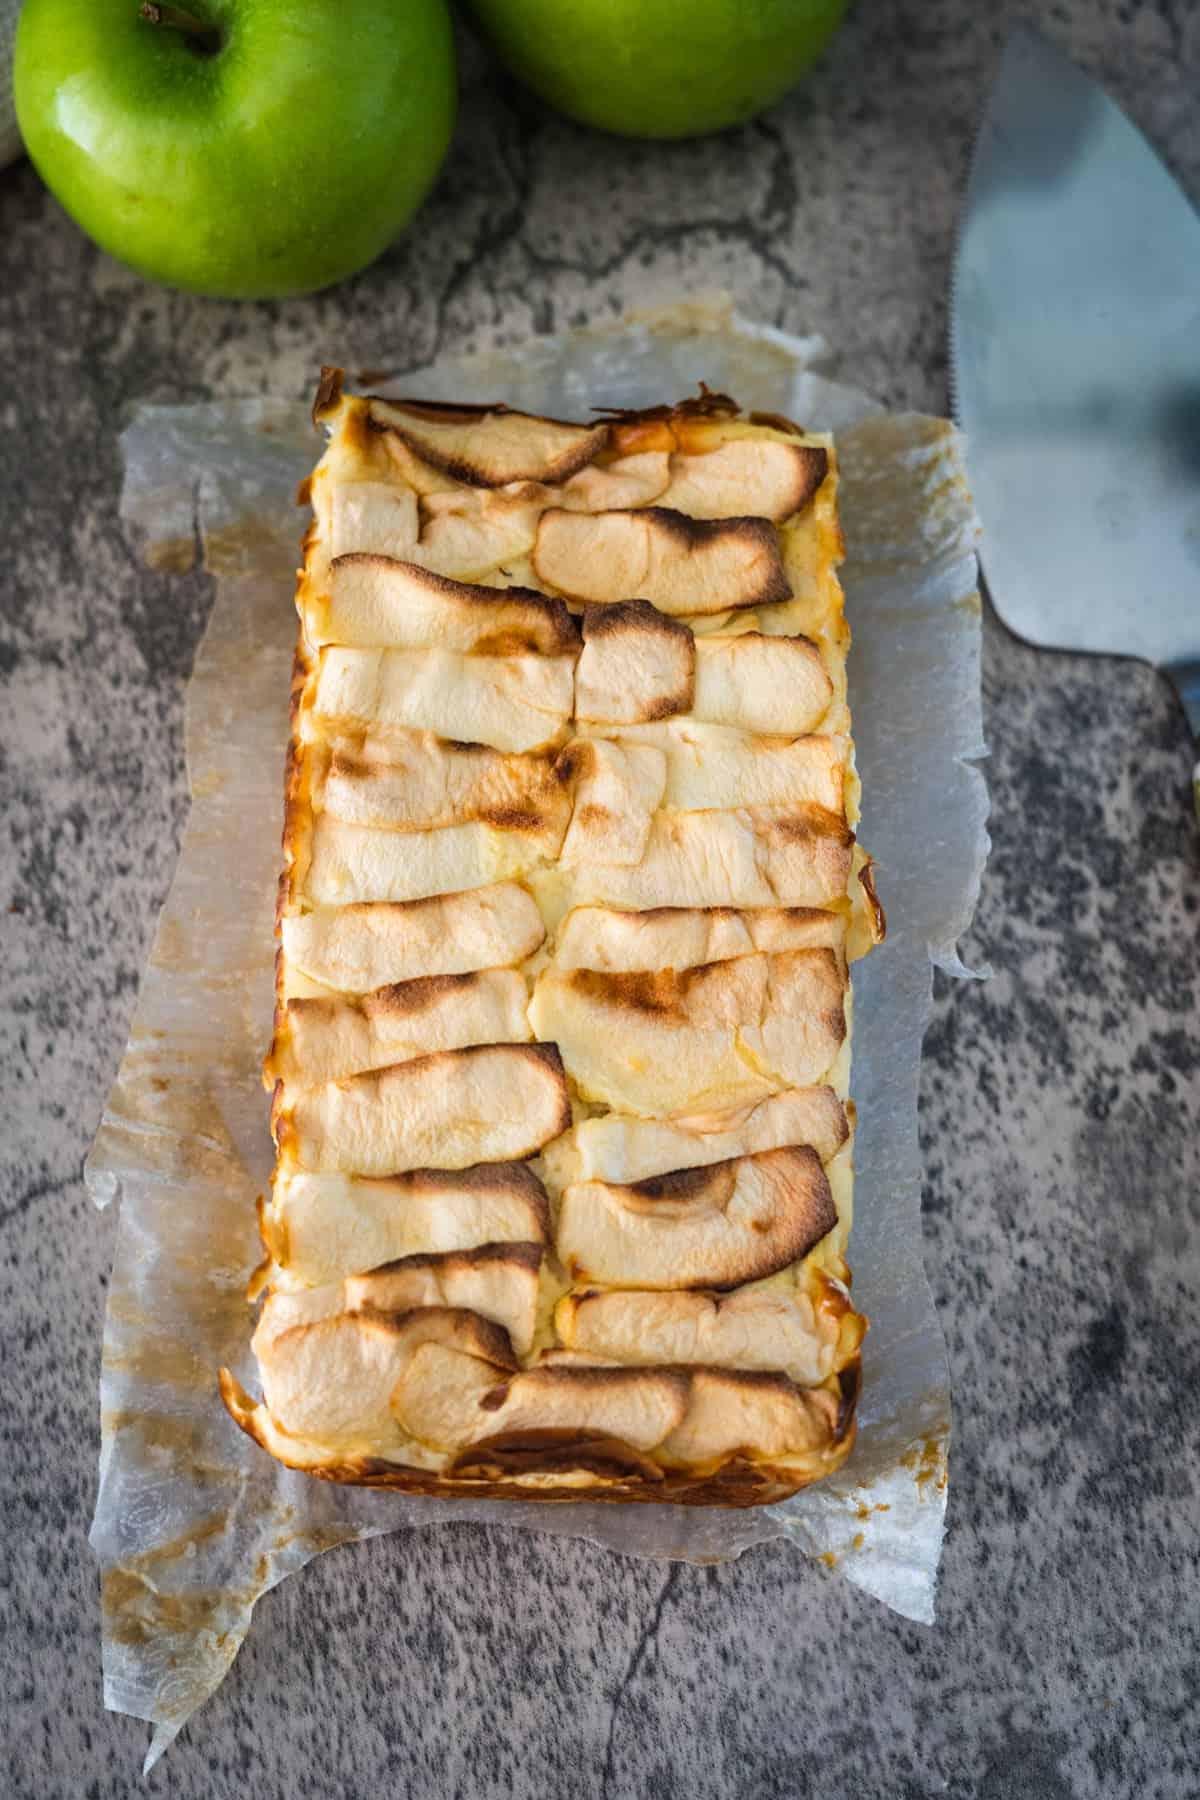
(659, 68)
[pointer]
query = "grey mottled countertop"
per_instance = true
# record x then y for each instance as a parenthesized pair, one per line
(1060, 1104)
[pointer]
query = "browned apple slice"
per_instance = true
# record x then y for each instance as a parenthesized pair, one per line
(623, 1149)
(472, 532)
(322, 1227)
(447, 1400)
(761, 1327)
(804, 852)
(359, 948)
(758, 683)
(683, 937)
(437, 1399)
(510, 702)
(410, 781)
(716, 1227)
(761, 856)
(489, 446)
(352, 864)
(332, 1379)
(376, 516)
(718, 767)
(746, 475)
(327, 1040)
(490, 1103)
(376, 602)
(803, 1023)
(497, 1281)
(664, 1043)
(616, 788)
(681, 565)
(734, 1412)
(641, 1407)
(630, 481)
(636, 665)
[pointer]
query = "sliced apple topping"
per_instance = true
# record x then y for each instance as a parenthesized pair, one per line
(350, 864)
(718, 1226)
(509, 702)
(636, 665)
(359, 948)
(415, 781)
(376, 516)
(617, 788)
(770, 684)
(715, 1036)
(718, 767)
(681, 565)
(752, 857)
(745, 475)
(490, 1103)
(771, 1327)
(497, 1281)
(732, 1412)
(332, 1379)
(326, 1040)
(472, 532)
(630, 481)
(437, 1398)
(378, 602)
(641, 1407)
(622, 1149)
(489, 446)
(323, 1227)
(683, 937)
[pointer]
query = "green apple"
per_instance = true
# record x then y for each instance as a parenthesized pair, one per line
(244, 148)
(659, 68)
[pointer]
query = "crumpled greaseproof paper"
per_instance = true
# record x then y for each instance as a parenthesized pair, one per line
(193, 1521)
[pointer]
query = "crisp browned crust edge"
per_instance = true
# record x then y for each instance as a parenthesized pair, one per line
(738, 1482)
(866, 877)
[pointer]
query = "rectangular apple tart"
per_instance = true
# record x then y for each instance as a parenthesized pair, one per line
(561, 1053)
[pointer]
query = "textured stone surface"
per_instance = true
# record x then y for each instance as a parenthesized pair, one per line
(1059, 1104)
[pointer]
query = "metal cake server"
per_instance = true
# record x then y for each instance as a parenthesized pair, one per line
(1075, 348)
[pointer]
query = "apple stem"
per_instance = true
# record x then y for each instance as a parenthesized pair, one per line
(203, 38)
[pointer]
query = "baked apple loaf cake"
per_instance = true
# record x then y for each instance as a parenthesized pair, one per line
(561, 1053)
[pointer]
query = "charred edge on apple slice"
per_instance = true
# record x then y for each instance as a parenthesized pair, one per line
(704, 405)
(329, 391)
(476, 471)
(525, 1255)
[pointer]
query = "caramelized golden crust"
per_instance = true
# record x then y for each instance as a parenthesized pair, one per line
(565, 1464)
(571, 887)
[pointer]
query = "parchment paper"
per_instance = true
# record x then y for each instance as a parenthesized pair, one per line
(193, 1522)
